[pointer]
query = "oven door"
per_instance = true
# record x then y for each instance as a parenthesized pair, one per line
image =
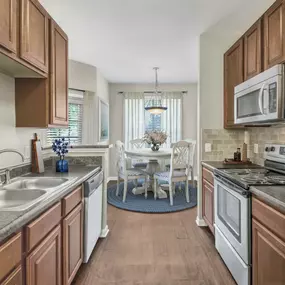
(232, 217)
(260, 102)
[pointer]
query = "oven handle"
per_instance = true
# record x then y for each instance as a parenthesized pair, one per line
(234, 187)
(260, 99)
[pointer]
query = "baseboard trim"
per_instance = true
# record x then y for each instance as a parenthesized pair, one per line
(104, 232)
(112, 178)
(200, 222)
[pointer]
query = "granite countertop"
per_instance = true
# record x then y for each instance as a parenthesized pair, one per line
(85, 146)
(272, 195)
(12, 221)
(220, 165)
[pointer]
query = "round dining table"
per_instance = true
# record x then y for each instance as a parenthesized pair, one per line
(153, 158)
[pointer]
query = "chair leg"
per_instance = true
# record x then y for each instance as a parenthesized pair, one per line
(118, 186)
(180, 187)
(187, 191)
(145, 188)
(170, 193)
(192, 177)
(155, 188)
(125, 189)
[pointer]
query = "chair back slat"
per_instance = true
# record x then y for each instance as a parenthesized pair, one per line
(137, 143)
(120, 157)
(182, 157)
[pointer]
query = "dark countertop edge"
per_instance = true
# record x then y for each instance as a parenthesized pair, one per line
(211, 165)
(268, 199)
(31, 214)
(83, 146)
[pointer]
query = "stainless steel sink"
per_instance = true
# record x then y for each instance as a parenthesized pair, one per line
(36, 183)
(18, 200)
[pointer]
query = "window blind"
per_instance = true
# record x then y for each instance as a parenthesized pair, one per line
(73, 134)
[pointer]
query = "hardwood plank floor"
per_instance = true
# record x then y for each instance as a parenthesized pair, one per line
(154, 249)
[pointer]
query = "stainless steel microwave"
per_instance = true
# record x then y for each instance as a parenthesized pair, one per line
(261, 98)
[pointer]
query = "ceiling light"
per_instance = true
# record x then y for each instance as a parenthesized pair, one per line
(154, 104)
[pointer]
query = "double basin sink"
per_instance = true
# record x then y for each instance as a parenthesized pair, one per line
(24, 192)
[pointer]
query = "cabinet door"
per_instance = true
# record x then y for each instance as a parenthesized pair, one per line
(59, 75)
(15, 278)
(274, 37)
(72, 244)
(34, 34)
(44, 263)
(268, 256)
(208, 204)
(8, 24)
(252, 51)
(233, 75)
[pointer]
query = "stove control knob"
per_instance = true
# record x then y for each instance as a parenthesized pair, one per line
(267, 149)
(272, 148)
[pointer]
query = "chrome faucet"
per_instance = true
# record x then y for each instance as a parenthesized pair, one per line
(7, 170)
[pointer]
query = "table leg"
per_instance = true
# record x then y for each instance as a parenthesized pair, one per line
(152, 167)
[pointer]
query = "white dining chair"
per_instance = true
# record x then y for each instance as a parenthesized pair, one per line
(126, 173)
(138, 163)
(181, 162)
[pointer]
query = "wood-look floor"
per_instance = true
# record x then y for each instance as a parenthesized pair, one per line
(154, 249)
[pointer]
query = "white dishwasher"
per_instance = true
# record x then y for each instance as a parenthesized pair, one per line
(92, 213)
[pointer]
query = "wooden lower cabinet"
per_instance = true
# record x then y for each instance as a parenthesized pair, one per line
(72, 244)
(268, 256)
(43, 266)
(15, 278)
(208, 204)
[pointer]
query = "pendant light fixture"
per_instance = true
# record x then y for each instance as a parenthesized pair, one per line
(154, 104)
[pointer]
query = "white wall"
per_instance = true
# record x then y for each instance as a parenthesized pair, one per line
(117, 114)
(12, 137)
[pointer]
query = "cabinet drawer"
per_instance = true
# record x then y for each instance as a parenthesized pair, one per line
(15, 278)
(10, 255)
(208, 175)
(39, 228)
(72, 200)
(269, 217)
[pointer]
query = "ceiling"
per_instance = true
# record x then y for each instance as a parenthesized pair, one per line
(126, 38)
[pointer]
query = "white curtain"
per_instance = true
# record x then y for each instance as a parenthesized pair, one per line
(171, 119)
(134, 116)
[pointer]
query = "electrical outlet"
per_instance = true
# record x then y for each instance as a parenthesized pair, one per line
(208, 147)
(255, 148)
(27, 152)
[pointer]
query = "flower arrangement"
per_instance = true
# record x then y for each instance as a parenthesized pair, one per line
(155, 137)
(60, 146)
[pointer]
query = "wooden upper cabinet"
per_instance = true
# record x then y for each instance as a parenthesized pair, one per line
(233, 75)
(268, 256)
(43, 266)
(34, 35)
(58, 75)
(252, 51)
(72, 244)
(274, 34)
(8, 24)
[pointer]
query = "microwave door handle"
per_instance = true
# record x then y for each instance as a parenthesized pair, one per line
(260, 99)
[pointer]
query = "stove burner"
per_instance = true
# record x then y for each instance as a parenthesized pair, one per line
(254, 179)
(276, 179)
(236, 171)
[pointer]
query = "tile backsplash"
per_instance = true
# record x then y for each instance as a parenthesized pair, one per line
(225, 142)
(261, 136)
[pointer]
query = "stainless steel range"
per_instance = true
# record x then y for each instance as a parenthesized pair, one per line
(233, 209)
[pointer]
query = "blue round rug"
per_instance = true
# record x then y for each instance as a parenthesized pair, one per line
(138, 203)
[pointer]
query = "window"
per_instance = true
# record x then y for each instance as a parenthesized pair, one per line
(138, 120)
(73, 133)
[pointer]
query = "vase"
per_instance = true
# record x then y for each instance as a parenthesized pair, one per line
(62, 165)
(155, 147)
